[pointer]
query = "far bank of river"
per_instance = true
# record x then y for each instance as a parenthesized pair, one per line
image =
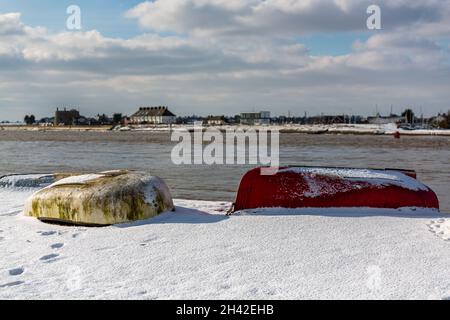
(355, 129)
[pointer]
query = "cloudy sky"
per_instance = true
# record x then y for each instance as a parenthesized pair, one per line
(224, 56)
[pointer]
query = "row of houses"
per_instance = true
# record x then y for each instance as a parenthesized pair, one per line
(145, 115)
(152, 115)
(162, 115)
(245, 118)
(68, 117)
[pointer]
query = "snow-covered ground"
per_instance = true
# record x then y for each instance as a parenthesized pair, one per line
(376, 129)
(198, 252)
(381, 129)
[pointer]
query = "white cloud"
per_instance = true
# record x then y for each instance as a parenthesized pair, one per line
(283, 17)
(10, 24)
(251, 58)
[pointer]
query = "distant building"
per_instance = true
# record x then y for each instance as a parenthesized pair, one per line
(66, 117)
(189, 119)
(255, 118)
(326, 119)
(103, 119)
(216, 120)
(153, 115)
(378, 119)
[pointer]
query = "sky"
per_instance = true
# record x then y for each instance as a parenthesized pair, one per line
(224, 57)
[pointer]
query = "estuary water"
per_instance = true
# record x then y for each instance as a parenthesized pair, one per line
(46, 152)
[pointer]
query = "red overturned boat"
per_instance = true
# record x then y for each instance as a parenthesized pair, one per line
(320, 187)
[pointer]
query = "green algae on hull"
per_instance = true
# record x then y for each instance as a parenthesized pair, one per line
(109, 199)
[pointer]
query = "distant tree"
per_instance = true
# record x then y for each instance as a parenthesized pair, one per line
(448, 119)
(29, 119)
(179, 120)
(103, 119)
(117, 118)
(445, 124)
(409, 115)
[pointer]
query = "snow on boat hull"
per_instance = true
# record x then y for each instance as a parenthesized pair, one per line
(307, 187)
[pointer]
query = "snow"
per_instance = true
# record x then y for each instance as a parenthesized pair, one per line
(346, 173)
(198, 252)
(379, 129)
(79, 179)
(341, 128)
(373, 177)
(28, 181)
(441, 227)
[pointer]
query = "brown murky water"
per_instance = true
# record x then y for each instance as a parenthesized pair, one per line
(30, 152)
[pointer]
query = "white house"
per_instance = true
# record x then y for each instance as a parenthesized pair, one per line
(153, 115)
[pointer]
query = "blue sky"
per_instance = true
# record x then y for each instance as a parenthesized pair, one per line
(224, 56)
(105, 16)
(334, 44)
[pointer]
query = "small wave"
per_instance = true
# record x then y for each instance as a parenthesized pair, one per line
(26, 180)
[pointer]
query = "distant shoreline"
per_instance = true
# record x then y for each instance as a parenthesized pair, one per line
(15, 127)
(336, 129)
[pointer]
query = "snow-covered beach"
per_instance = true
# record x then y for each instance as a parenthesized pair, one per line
(356, 129)
(197, 252)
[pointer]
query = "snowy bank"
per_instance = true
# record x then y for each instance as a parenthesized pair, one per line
(356, 129)
(198, 252)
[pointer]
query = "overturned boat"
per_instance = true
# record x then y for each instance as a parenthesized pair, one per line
(321, 187)
(93, 199)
